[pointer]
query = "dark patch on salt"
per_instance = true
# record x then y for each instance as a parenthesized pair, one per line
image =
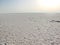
(55, 21)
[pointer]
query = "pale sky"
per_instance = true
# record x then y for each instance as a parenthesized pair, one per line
(22, 6)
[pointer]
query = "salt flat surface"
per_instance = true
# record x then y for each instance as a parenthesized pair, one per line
(29, 29)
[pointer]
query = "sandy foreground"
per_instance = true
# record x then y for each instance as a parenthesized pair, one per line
(29, 29)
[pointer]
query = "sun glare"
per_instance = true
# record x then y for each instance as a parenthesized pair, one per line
(48, 4)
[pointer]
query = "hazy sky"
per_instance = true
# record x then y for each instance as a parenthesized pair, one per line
(18, 6)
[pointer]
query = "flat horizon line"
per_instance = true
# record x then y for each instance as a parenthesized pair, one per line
(33, 13)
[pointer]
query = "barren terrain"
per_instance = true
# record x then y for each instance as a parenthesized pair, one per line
(29, 29)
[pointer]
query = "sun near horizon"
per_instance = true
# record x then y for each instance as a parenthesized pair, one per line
(48, 5)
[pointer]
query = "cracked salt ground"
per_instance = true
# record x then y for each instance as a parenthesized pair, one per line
(29, 29)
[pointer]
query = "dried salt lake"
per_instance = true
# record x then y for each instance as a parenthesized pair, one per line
(29, 29)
